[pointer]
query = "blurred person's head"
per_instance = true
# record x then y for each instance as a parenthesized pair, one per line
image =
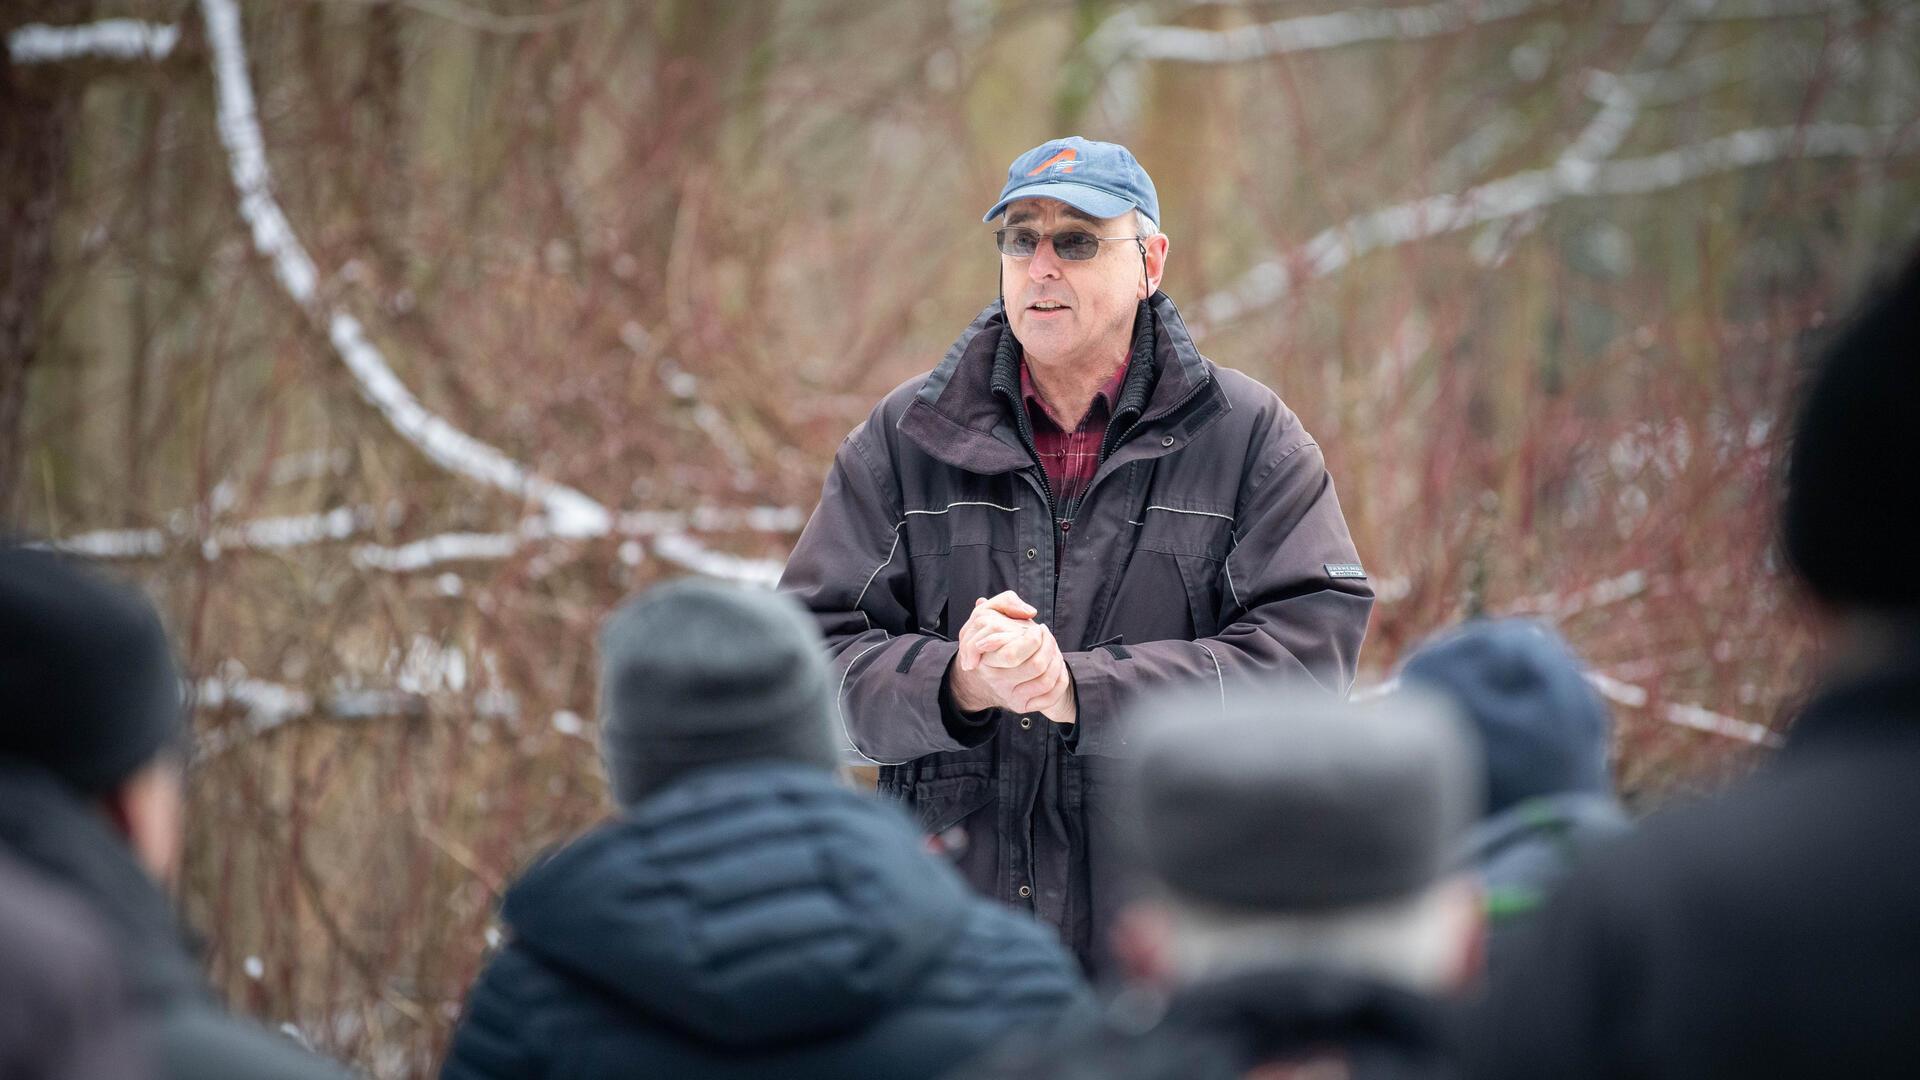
(1080, 248)
(93, 697)
(1301, 832)
(1850, 480)
(696, 673)
(1543, 729)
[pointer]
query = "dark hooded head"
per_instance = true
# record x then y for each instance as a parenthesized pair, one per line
(697, 673)
(91, 690)
(1850, 476)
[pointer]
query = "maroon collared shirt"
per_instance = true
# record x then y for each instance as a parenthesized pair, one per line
(1070, 456)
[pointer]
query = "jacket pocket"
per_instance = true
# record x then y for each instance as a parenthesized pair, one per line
(1200, 580)
(943, 802)
(930, 604)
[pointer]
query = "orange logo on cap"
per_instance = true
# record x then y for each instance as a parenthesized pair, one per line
(1064, 159)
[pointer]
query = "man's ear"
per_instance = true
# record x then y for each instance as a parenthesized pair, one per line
(1470, 911)
(1142, 938)
(1155, 259)
(146, 811)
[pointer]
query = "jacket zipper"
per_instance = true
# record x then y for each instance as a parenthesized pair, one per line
(1061, 531)
(1107, 451)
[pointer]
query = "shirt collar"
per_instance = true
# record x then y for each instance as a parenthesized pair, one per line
(1108, 393)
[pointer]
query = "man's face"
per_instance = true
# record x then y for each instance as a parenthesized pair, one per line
(1071, 313)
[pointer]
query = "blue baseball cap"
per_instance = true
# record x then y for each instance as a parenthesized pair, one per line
(1097, 178)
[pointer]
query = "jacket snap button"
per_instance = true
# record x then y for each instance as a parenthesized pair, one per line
(1026, 723)
(1025, 891)
(1167, 441)
(1033, 552)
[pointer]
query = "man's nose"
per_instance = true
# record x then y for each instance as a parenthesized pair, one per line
(1044, 264)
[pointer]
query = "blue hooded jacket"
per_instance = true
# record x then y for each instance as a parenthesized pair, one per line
(754, 921)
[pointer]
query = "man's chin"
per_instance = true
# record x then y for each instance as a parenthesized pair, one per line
(1039, 341)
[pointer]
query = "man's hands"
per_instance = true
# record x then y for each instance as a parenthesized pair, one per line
(1008, 660)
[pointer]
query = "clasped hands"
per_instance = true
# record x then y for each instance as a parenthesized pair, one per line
(1007, 660)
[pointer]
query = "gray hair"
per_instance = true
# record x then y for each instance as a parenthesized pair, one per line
(1415, 942)
(1143, 225)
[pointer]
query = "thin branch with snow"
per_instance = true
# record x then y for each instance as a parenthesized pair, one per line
(572, 512)
(108, 39)
(1688, 716)
(1333, 248)
(1636, 697)
(343, 523)
(1125, 37)
(569, 513)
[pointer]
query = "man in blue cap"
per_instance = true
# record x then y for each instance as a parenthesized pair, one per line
(1074, 506)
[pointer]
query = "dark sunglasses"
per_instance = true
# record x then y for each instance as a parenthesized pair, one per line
(1073, 245)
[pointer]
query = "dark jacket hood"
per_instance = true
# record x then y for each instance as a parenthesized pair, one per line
(746, 905)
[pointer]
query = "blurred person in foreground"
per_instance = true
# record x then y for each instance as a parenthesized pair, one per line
(746, 914)
(91, 758)
(63, 1015)
(1298, 921)
(1545, 735)
(1074, 506)
(1772, 931)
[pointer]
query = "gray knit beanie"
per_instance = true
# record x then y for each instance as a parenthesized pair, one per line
(696, 673)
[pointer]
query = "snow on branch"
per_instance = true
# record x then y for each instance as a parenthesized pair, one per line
(1621, 100)
(1688, 716)
(1125, 37)
(1632, 11)
(686, 552)
(108, 39)
(343, 523)
(568, 512)
(1636, 697)
(267, 706)
(571, 512)
(1524, 192)
(260, 534)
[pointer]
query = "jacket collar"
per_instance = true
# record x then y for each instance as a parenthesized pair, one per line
(1883, 702)
(47, 826)
(1285, 1010)
(963, 415)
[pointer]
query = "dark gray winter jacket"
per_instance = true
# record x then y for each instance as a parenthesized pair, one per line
(1209, 546)
(1521, 855)
(62, 1013)
(1767, 932)
(47, 826)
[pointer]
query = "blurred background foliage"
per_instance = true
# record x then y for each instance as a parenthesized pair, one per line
(1539, 274)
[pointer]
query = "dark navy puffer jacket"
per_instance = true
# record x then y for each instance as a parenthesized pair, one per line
(754, 921)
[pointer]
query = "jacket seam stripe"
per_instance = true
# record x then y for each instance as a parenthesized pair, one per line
(1226, 564)
(1217, 673)
(876, 573)
(951, 505)
(1196, 513)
